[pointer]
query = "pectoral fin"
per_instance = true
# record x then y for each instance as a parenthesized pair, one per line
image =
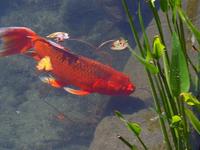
(76, 92)
(52, 81)
(45, 64)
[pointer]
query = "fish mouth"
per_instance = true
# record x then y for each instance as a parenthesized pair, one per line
(130, 88)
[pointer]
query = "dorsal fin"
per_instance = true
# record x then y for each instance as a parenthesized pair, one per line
(66, 53)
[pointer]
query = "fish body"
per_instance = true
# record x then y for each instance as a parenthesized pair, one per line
(88, 75)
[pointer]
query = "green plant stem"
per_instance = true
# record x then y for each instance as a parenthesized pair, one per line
(156, 101)
(161, 89)
(125, 141)
(198, 77)
(178, 105)
(164, 91)
(170, 97)
(182, 109)
(179, 132)
(168, 110)
(142, 143)
(168, 22)
(166, 60)
(142, 27)
(135, 35)
(186, 133)
(158, 109)
(182, 103)
(165, 88)
(191, 63)
(163, 96)
(182, 36)
(158, 23)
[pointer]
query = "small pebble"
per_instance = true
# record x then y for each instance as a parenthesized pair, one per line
(18, 112)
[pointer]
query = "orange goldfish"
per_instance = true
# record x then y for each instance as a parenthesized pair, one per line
(65, 67)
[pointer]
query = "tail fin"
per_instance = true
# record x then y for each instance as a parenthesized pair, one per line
(15, 40)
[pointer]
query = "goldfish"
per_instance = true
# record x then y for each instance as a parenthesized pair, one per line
(74, 73)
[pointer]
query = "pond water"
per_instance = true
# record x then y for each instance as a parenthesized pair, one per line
(35, 116)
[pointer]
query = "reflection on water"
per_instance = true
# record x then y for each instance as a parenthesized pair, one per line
(27, 121)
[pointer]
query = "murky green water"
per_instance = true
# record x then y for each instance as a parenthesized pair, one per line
(30, 111)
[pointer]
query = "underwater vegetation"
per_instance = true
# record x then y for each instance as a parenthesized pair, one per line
(173, 76)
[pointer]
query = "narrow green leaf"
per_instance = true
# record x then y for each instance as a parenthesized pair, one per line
(189, 24)
(132, 147)
(164, 5)
(193, 119)
(134, 127)
(179, 74)
(146, 45)
(120, 116)
(176, 4)
(158, 48)
(151, 67)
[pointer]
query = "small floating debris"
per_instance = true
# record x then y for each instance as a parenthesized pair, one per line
(157, 117)
(18, 112)
(60, 116)
(58, 36)
(120, 44)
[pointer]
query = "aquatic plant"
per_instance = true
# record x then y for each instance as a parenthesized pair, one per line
(171, 72)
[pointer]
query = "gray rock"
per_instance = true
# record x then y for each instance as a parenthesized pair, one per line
(105, 137)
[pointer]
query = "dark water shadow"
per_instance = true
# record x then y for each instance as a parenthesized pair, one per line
(124, 104)
(82, 130)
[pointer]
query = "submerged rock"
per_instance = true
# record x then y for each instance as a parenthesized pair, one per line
(105, 137)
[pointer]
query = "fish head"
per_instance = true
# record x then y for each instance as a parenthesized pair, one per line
(116, 85)
(127, 89)
(121, 87)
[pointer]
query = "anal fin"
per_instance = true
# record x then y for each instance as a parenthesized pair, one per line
(76, 92)
(53, 82)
